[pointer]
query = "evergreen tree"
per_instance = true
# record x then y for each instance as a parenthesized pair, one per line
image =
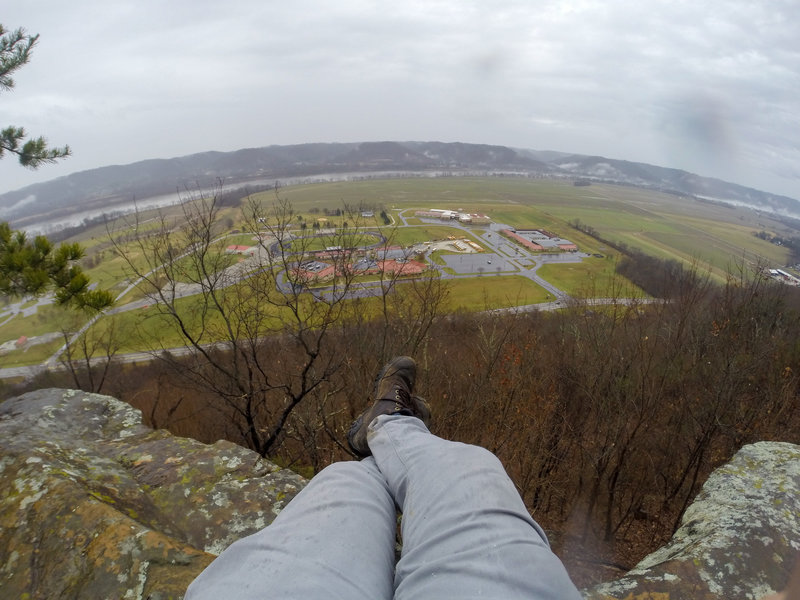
(15, 51)
(31, 267)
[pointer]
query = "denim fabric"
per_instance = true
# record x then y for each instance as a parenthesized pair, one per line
(466, 532)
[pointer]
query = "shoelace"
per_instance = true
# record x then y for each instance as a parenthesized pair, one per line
(403, 399)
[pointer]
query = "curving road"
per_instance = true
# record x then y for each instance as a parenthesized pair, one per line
(503, 258)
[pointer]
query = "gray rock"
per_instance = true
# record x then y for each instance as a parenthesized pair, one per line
(93, 504)
(738, 539)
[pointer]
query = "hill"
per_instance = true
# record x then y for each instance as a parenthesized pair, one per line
(674, 180)
(108, 186)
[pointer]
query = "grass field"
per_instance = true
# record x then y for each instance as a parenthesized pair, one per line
(592, 278)
(667, 226)
(310, 241)
(147, 328)
(486, 293)
(664, 225)
(637, 217)
(640, 218)
(240, 239)
(46, 320)
(112, 271)
(407, 236)
(33, 355)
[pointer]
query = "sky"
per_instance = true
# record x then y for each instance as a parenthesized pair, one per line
(712, 87)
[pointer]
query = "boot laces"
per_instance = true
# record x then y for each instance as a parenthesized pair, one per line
(402, 397)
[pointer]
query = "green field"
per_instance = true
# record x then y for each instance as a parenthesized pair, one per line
(147, 328)
(592, 278)
(407, 236)
(712, 237)
(33, 355)
(188, 270)
(661, 224)
(489, 292)
(46, 320)
(309, 241)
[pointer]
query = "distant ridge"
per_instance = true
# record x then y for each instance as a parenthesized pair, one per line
(106, 186)
(674, 180)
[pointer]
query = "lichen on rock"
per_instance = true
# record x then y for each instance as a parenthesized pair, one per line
(738, 539)
(94, 504)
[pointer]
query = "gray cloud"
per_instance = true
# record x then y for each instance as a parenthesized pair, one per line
(710, 87)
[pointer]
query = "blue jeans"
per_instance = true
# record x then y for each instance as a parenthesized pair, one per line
(466, 532)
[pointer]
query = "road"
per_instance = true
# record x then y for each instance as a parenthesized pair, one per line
(502, 258)
(30, 371)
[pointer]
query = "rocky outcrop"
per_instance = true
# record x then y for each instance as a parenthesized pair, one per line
(93, 504)
(738, 539)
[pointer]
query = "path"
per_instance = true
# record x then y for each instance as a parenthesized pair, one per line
(503, 258)
(134, 357)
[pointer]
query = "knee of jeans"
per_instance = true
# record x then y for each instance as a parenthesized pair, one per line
(477, 457)
(350, 470)
(344, 468)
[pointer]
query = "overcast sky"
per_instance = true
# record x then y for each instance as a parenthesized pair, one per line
(709, 86)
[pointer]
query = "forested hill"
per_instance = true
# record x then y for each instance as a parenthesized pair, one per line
(108, 185)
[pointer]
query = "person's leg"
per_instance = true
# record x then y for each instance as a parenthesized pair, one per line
(335, 539)
(466, 532)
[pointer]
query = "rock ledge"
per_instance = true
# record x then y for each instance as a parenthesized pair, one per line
(93, 504)
(738, 539)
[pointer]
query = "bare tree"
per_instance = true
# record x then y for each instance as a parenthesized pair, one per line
(256, 332)
(89, 356)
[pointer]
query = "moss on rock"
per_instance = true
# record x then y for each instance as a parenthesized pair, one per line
(93, 504)
(738, 539)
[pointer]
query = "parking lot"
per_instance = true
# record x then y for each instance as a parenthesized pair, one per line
(484, 262)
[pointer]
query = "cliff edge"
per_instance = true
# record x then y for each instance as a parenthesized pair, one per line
(93, 504)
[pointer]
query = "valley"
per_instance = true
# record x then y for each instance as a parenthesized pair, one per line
(488, 271)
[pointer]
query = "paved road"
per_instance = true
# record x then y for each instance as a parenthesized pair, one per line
(134, 357)
(503, 258)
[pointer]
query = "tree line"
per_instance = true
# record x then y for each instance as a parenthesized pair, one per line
(791, 243)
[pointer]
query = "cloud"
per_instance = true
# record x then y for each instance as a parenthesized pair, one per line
(710, 87)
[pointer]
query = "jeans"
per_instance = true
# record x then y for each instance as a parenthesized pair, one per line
(466, 532)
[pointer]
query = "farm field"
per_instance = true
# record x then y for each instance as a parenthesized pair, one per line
(713, 237)
(661, 224)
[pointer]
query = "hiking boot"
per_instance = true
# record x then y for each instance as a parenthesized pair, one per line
(393, 396)
(357, 436)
